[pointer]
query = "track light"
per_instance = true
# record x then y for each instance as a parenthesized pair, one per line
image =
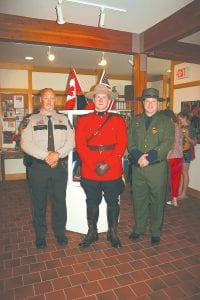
(103, 61)
(60, 19)
(102, 17)
(131, 62)
(51, 56)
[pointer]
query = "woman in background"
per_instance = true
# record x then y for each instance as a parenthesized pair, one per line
(175, 159)
(189, 141)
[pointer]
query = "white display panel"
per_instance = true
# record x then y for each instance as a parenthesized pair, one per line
(75, 196)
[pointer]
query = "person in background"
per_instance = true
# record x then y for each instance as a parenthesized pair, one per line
(175, 159)
(151, 136)
(101, 140)
(189, 141)
(47, 136)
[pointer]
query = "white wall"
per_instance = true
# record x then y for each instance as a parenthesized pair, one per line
(58, 81)
(13, 79)
(194, 170)
(185, 94)
(189, 94)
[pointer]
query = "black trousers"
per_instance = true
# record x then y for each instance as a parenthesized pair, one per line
(46, 181)
(95, 190)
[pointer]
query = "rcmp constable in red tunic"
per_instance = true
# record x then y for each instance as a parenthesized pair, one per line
(47, 136)
(101, 140)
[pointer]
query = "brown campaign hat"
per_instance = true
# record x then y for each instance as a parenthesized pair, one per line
(150, 93)
(100, 89)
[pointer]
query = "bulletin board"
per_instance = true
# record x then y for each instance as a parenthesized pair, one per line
(13, 108)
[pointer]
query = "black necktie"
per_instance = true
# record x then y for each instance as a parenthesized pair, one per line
(50, 135)
(148, 122)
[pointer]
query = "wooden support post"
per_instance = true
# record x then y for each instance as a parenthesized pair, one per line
(140, 80)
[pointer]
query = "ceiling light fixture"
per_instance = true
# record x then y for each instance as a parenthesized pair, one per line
(101, 17)
(60, 19)
(51, 56)
(103, 61)
(29, 58)
(131, 62)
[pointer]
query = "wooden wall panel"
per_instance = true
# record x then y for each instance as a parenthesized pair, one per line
(24, 29)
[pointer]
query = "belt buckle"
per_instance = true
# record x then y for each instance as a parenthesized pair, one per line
(101, 148)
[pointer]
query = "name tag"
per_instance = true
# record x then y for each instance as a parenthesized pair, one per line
(40, 127)
(60, 126)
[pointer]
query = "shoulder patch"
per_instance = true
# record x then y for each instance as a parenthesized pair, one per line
(25, 121)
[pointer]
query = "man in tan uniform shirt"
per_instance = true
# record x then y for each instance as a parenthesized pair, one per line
(47, 136)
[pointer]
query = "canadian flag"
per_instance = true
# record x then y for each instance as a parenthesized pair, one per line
(73, 89)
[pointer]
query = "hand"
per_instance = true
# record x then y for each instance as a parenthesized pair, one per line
(52, 159)
(142, 161)
(102, 168)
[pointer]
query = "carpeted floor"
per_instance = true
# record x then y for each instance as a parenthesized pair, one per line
(100, 272)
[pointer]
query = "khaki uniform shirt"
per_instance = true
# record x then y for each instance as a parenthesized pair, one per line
(34, 134)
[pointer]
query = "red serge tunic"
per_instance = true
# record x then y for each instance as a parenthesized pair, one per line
(112, 133)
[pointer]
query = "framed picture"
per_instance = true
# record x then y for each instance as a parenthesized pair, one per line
(9, 126)
(19, 112)
(18, 101)
(8, 138)
(193, 108)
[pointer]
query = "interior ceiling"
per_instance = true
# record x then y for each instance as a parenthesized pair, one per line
(141, 15)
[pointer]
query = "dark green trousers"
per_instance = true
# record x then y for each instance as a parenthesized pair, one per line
(45, 181)
(149, 186)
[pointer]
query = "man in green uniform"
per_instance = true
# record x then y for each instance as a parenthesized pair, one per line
(47, 137)
(151, 136)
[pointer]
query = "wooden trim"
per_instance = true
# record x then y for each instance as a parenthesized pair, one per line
(17, 176)
(14, 66)
(95, 72)
(30, 98)
(140, 81)
(194, 193)
(187, 84)
(13, 90)
(165, 81)
(37, 92)
(47, 32)
(179, 25)
(171, 93)
(179, 50)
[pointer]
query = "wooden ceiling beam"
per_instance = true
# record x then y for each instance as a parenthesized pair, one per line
(179, 51)
(183, 23)
(30, 30)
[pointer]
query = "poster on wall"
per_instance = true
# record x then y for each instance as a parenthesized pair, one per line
(18, 101)
(193, 108)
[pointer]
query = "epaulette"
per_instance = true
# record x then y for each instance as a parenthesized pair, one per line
(70, 124)
(25, 121)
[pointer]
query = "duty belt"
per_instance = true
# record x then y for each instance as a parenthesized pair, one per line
(101, 148)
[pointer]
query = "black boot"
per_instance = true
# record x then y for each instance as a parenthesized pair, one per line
(92, 235)
(113, 215)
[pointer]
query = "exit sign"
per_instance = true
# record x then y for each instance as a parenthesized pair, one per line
(182, 73)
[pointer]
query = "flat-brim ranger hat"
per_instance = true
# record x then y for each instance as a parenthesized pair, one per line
(100, 89)
(150, 93)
